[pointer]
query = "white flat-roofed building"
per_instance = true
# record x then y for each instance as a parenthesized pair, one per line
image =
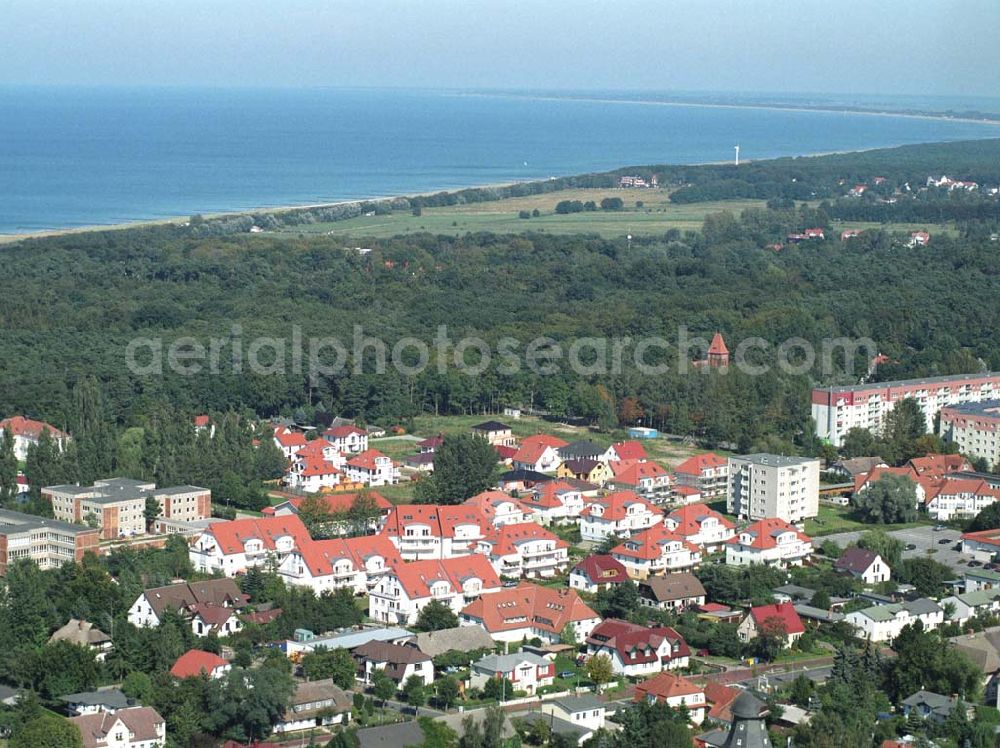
(836, 410)
(767, 485)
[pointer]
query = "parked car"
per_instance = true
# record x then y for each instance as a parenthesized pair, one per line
(944, 541)
(974, 563)
(566, 674)
(911, 547)
(939, 528)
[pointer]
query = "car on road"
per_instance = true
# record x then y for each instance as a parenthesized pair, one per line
(974, 563)
(911, 547)
(944, 541)
(939, 528)
(566, 674)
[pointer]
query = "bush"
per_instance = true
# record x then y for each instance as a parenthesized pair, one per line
(524, 214)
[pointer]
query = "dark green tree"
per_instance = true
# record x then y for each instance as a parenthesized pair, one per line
(383, 687)
(447, 691)
(436, 616)
(47, 731)
(8, 469)
(885, 545)
(890, 499)
(414, 692)
(464, 465)
(330, 663)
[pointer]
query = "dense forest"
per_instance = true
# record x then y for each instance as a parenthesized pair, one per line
(80, 299)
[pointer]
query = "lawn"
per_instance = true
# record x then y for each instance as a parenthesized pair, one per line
(656, 216)
(834, 519)
(662, 450)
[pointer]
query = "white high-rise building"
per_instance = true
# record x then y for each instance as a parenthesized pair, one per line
(765, 485)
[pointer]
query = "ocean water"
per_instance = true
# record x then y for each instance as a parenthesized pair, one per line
(81, 157)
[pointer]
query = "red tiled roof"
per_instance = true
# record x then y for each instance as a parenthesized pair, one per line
(630, 450)
(935, 466)
(504, 540)
(342, 432)
(636, 644)
(529, 606)
(718, 345)
(320, 555)
(720, 697)
(690, 517)
(765, 615)
(416, 577)
(487, 502)
(547, 439)
(366, 459)
(442, 520)
(504, 452)
(648, 544)
(530, 453)
(764, 533)
(201, 421)
(687, 491)
(616, 505)
(988, 537)
(21, 426)
(195, 661)
(667, 686)
(632, 472)
(694, 465)
(602, 569)
(287, 438)
(141, 722)
(233, 534)
(311, 465)
(546, 495)
(316, 448)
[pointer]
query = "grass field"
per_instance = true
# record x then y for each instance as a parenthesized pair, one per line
(903, 228)
(834, 519)
(656, 216)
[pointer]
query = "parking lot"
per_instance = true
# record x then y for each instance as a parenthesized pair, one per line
(927, 543)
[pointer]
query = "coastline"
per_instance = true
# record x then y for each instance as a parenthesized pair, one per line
(761, 107)
(6, 239)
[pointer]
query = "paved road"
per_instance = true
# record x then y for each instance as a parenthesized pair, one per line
(925, 539)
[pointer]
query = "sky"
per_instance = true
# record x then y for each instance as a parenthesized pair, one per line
(917, 47)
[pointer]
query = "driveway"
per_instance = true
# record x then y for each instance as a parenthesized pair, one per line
(928, 544)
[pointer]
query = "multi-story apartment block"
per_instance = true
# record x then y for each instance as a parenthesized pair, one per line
(836, 410)
(403, 591)
(422, 531)
(975, 428)
(48, 542)
(765, 485)
(117, 505)
(709, 473)
(525, 549)
(237, 545)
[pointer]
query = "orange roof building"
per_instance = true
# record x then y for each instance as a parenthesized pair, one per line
(196, 662)
(529, 611)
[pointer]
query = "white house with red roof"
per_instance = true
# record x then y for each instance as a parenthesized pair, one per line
(525, 549)
(675, 691)
(526, 671)
(500, 508)
(312, 474)
(537, 456)
(958, 498)
(400, 594)
(197, 662)
(529, 611)
(348, 438)
(709, 473)
(352, 563)
(422, 531)
(779, 619)
(636, 650)
(237, 545)
(771, 541)
(131, 727)
(554, 501)
(698, 524)
(372, 468)
(597, 572)
(289, 441)
(624, 451)
(641, 476)
(656, 550)
(686, 495)
(26, 432)
(620, 513)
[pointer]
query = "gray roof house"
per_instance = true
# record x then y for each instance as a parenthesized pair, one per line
(928, 704)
